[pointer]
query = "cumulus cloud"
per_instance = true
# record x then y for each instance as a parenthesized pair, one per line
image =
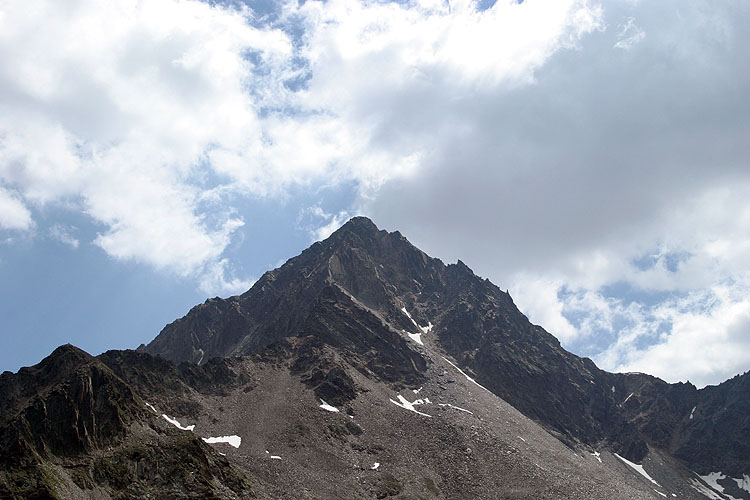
(591, 158)
(151, 117)
(13, 213)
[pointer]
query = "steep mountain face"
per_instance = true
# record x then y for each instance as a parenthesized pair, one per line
(364, 368)
(367, 276)
(708, 428)
(69, 427)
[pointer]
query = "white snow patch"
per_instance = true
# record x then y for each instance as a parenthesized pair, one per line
(704, 490)
(275, 457)
(455, 407)
(328, 407)
(177, 424)
(202, 354)
(467, 377)
(375, 466)
(639, 469)
(416, 337)
(692, 412)
(404, 403)
(660, 493)
(626, 399)
(403, 309)
(613, 389)
(230, 440)
(152, 408)
(744, 483)
(416, 391)
(522, 439)
(713, 478)
(597, 456)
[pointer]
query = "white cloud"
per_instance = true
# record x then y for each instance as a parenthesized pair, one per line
(540, 301)
(707, 340)
(520, 139)
(13, 213)
(113, 106)
(214, 280)
(149, 117)
(323, 224)
(613, 185)
(64, 234)
(629, 36)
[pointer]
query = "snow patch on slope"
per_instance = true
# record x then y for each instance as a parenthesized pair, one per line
(713, 478)
(328, 407)
(639, 469)
(704, 490)
(455, 407)
(404, 403)
(416, 337)
(467, 377)
(177, 424)
(233, 440)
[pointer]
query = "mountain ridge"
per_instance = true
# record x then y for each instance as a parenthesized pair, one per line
(409, 362)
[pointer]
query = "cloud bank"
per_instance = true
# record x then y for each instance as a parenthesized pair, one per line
(592, 158)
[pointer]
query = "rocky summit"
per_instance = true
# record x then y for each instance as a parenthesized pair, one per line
(363, 368)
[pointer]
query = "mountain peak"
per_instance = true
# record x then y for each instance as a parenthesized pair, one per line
(360, 224)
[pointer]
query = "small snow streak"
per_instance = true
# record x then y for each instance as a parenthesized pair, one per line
(177, 424)
(328, 407)
(639, 469)
(152, 408)
(597, 456)
(692, 412)
(467, 377)
(416, 337)
(626, 399)
(705, 490)
(455, 407)
(375, 466)
(230, 440)
(404, 403)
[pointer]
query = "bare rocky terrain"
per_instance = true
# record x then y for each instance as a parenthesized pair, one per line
(360, 369)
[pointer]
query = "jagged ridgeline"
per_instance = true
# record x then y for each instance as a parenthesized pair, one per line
(363, 368)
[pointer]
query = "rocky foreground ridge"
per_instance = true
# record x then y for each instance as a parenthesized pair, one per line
(363, 368)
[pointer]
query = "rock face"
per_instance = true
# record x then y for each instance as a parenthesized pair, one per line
(69, 427)
(360, 351)
(362, 276)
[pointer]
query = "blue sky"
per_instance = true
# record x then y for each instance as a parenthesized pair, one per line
(590, 157)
